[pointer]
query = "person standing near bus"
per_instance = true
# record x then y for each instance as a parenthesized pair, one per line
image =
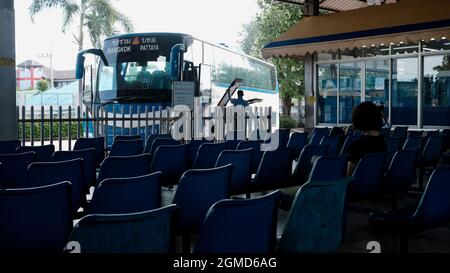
(240, 100)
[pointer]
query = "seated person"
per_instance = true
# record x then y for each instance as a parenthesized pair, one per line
(144, 76)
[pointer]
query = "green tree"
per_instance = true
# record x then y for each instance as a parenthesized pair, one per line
(98, 18)
(274, 19)
(42, 85)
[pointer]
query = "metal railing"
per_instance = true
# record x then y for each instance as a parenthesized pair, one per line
(61, 126)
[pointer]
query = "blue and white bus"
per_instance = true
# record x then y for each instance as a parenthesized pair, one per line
(139, 70)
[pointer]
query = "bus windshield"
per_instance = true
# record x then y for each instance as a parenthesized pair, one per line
(139, 66)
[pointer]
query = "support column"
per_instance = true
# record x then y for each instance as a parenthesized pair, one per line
(310, 98)
(8, 122)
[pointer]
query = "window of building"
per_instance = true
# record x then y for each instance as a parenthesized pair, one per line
(377, 82)
(404, 91)
(327, 93)
(349, 90)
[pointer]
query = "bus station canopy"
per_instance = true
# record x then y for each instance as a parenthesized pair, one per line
(404, 22)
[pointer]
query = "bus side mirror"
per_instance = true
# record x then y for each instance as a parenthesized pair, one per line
(175, 55)
(79, 71)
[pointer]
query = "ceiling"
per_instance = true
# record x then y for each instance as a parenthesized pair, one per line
(340, 5)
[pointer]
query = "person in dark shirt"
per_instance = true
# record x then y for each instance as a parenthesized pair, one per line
(366, 118)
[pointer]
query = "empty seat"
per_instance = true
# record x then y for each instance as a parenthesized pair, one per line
(240, 226)
(151, 138)
(416, 133)
(143, 232)
(127, 195)
(207, 155)
(306, 160)
(124, 166)
(14, 169)
(197, 191)
(345, 150)
(257, 154)
(97, 143)
(171, 161)
(328, 168)
(35, 220)
(430, 156)
(400, 132)
(317, 135)
(433, 210)
(9, 146)
(334, 144)
(89, 167)
(134, 137)
(368, 175)
(159, 142)
(43, 153)
(193, 146)
(47, 173)
(274, 171)
(126, 147)
(241, 174)
(297, 141)
(317, 218)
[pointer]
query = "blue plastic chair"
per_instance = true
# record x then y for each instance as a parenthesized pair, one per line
(89, 167)
(316, 222)
(430, 157)
(143, 232)
(240, 226)
(126, 147)
(274, 171)
(197, 191)
(134, 137)
(416, 133)
(43, 153)
(241, 174)
(432, 133)
(345, 150)
(14, 169)
(97, 143)
(334, 144)
(336, 131)
(193, 146)
(394, 144)
(305, 162)
(297, 142)
(414, 142)
(207, 155)
(171, 161)
(400, 132)
(328, 168)
(401, 173)
(368, 175)
(317, 135)
(35, 220)
(161, 142)
(151, 138)
(124, 166)
(127, 195)
(47, 173)
(9, 146)
(433, 210)
(257, 154)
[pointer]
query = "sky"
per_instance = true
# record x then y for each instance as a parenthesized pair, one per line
(218, 21)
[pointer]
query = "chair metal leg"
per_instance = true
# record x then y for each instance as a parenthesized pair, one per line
(186, 244)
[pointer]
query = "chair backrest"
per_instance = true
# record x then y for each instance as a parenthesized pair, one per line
(134, 137)
(257, 154)
(240, 226)
(193, 146)
(400, 174)
(97, 143)
(368, 175)
(197, 191)
(207, 155)
(400, 132)
(283, 137)
(416, 133)
(434, 206)
(160, 142)
(35, 220)
(328, 168)
(312, 225)
(432, 133)
(305, 162)
(9, 146)
(143, 232)
(241, 174)
(126, 147)
(47, 173)
(446, 134)
(296, 142)
(317, 135)
(432, 150)
(394, 143)
(274, 171)
(349, 140)
(414, 142)
(43, 153)
(151, 138)
(14, 168)
(171, 161)
(337, 131)
(334, 144)
(127, 195)
(89, 167)
(124, 166)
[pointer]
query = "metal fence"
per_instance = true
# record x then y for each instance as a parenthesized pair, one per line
(61, 126)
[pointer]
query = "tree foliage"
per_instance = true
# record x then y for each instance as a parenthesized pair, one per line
(274, 19)
(98, 18)
(42, 85)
